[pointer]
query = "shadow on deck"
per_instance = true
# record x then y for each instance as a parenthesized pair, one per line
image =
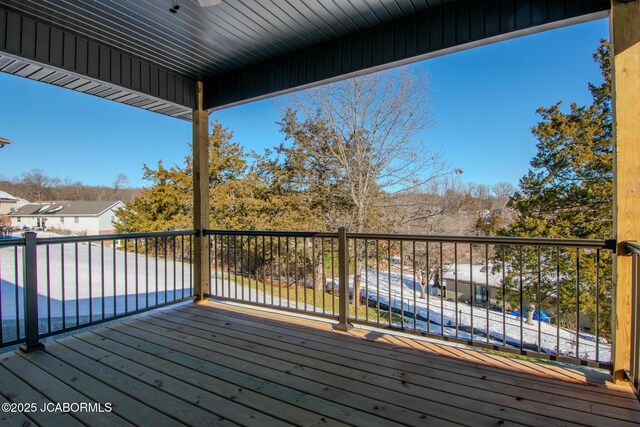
(211, 364)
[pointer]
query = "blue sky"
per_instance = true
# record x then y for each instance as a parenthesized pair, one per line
(483, 104)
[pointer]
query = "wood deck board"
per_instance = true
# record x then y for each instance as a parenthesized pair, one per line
(505, 365)
(450, 358)
(220, 364)
(402, 380)
(368, 385)
(17, 391)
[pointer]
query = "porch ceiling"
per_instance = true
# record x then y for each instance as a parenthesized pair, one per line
(139, 53)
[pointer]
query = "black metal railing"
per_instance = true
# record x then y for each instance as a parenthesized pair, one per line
(56, 285)
(11, 295)
(633, 248)
(289, 270)
(547, 298)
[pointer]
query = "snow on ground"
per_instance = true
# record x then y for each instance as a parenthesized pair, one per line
(90, 278)
(439, 316)
(434, 315)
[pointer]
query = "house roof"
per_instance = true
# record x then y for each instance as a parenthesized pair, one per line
(464, 272)
(66, 208)
(6, 196)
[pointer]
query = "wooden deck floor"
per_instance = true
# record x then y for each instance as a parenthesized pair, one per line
(213, 364)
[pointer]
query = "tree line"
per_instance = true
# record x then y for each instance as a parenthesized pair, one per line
(36, 185)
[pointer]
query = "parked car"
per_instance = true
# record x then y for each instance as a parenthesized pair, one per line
(537, 314)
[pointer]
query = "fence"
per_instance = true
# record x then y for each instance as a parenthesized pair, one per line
(293, 271)
(547, 298)
(56, 285)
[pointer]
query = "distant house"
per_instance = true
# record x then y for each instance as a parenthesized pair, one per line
(472, 279)
(78, 217)
(9, 203)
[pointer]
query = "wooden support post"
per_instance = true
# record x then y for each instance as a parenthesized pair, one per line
(200, 149)
(625, 37)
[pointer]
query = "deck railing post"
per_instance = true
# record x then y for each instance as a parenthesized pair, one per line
(30, 297)
(343, 277)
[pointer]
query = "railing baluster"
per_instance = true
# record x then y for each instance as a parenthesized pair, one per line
(578, 303)
(428, 291)
(264, 272)
(313, 275)
(538, 301)
(16, 276)
(146, 272)
(401, 285)
(558, 301)
(255, 266)
(279, 272)
(48, 264)
(304, 274)
(126, 277)
(271, 265)
(521, 298)
(455, 287)
(135, 242)
(378, 282)
(366, 279)
(64, 300)
(333, 278)
(598, 305)
(77, 285)
(413, 269)
(174, 270)
(288, 279)
(242, 272)
(441, 267)
(155, 255)
(487, 291)
(115, 275)
(389, 299)
(504, 300)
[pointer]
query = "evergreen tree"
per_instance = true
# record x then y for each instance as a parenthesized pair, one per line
(569, 190)
(567, 193)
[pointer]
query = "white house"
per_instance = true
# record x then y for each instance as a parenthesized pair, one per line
(9, 202)
(95, 217)
(462, 275)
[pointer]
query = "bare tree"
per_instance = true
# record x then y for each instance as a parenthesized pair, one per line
(370, 128)
(120, 181)
(362, 136)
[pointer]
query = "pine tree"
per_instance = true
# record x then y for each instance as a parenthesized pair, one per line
(567, 193)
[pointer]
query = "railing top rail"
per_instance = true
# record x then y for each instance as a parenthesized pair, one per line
(495, 240)
(633, 248)
(271, 233)
(12, 242)
(74, 239)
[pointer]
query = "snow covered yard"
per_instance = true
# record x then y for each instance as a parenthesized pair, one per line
(438, 316)
(90, 279)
